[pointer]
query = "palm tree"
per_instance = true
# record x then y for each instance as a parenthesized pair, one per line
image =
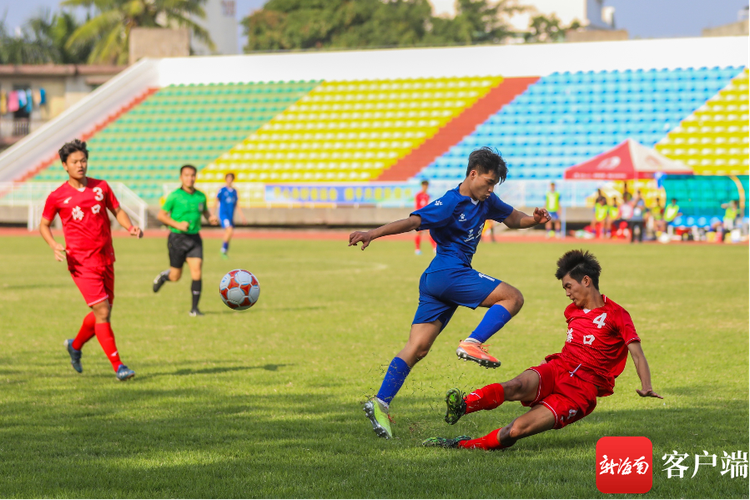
(110, 27)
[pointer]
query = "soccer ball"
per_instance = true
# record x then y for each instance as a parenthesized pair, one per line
(239, 289)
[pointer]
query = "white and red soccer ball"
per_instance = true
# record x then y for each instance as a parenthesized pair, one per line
(239, 289)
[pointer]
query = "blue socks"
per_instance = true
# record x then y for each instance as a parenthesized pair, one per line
(397, 372)
(494, 319)
(225, 246)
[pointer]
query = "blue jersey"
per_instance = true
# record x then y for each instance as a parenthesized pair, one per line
(227, 202)
(455, 223)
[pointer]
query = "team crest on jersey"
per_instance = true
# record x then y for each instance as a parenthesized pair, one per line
(462, 218)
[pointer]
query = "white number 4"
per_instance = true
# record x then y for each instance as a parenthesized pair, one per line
(599, 320)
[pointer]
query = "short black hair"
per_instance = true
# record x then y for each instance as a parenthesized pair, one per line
(71, 147)
(230, 173)
(674, 199)
(190, 167)
(579, 263)
(425, 182)
(487, 161)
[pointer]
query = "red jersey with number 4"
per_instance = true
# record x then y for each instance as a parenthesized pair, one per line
(86, 225)
(596, 345)
(421, 200)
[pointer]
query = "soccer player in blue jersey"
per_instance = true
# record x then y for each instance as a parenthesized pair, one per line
(455, 222)
(228, 199)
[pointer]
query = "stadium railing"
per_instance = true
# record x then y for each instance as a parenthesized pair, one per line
(33, 195)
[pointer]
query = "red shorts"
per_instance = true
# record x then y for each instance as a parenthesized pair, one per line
(565, 394)
(95, 283)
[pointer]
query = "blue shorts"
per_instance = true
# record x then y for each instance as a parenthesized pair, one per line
(226, 222)
(554, 216)
(441, 292)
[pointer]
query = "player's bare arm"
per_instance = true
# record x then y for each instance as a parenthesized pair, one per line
(519, 220)
(165, 219)
(396, 227)
(46, 232)
(124, 220)
(644, 373)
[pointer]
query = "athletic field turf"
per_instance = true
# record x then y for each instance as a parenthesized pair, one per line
(267, 402)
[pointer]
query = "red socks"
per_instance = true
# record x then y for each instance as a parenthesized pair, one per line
(86, 331)
(488, 442)
(107, 340)
(487, 398)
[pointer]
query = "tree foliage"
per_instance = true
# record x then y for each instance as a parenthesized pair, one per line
(109, 29)
(43, 40)
(311, 24)
(547, 29)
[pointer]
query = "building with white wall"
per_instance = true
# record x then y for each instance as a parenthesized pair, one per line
(221, 24)
(590, 13)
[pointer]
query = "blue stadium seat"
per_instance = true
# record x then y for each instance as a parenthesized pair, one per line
(566, 118)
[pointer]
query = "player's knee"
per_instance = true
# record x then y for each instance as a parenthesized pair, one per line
(518, 299)
(517, 430)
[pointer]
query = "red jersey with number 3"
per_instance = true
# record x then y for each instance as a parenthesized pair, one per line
(596, 344)
(421, 200)
(86, 224)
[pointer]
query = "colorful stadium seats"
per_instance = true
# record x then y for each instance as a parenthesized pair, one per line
(566, 118)
(714, 139)
(348, 131)
(181, 124)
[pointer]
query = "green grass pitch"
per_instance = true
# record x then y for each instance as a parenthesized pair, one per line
(267, 402)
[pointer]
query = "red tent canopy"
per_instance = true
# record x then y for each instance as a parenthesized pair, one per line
(626, 161)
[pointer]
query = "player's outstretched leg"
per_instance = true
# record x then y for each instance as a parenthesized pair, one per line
(421, 338)
(488, 397)
(377, 412)
(160, 279)
(441, 442)
(503, 302)
(75, 355)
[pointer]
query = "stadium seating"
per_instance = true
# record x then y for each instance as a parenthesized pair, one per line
(181, 124)
(702, 196)
(348, 131)
(566, 118)
(714, 139)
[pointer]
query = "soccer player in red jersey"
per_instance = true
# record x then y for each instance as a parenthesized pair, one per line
(420, 201)
(82, 203)
(564, 388)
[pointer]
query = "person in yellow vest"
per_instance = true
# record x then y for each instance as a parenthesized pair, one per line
(613, 216)
(671, 212)
(730, 214)
(552, 204)
(601, 210)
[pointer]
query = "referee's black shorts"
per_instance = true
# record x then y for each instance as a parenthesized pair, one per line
(183, 246)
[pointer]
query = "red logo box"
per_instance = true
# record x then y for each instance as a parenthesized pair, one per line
(624, 464)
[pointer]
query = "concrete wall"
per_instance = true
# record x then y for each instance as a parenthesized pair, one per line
(596, 35)
(506, 60)
(740, 28)
(158, 42)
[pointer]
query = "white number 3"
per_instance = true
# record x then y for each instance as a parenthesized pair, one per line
(99, 195)
(599, 320)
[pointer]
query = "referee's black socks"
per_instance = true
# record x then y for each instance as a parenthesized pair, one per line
(196, 287)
